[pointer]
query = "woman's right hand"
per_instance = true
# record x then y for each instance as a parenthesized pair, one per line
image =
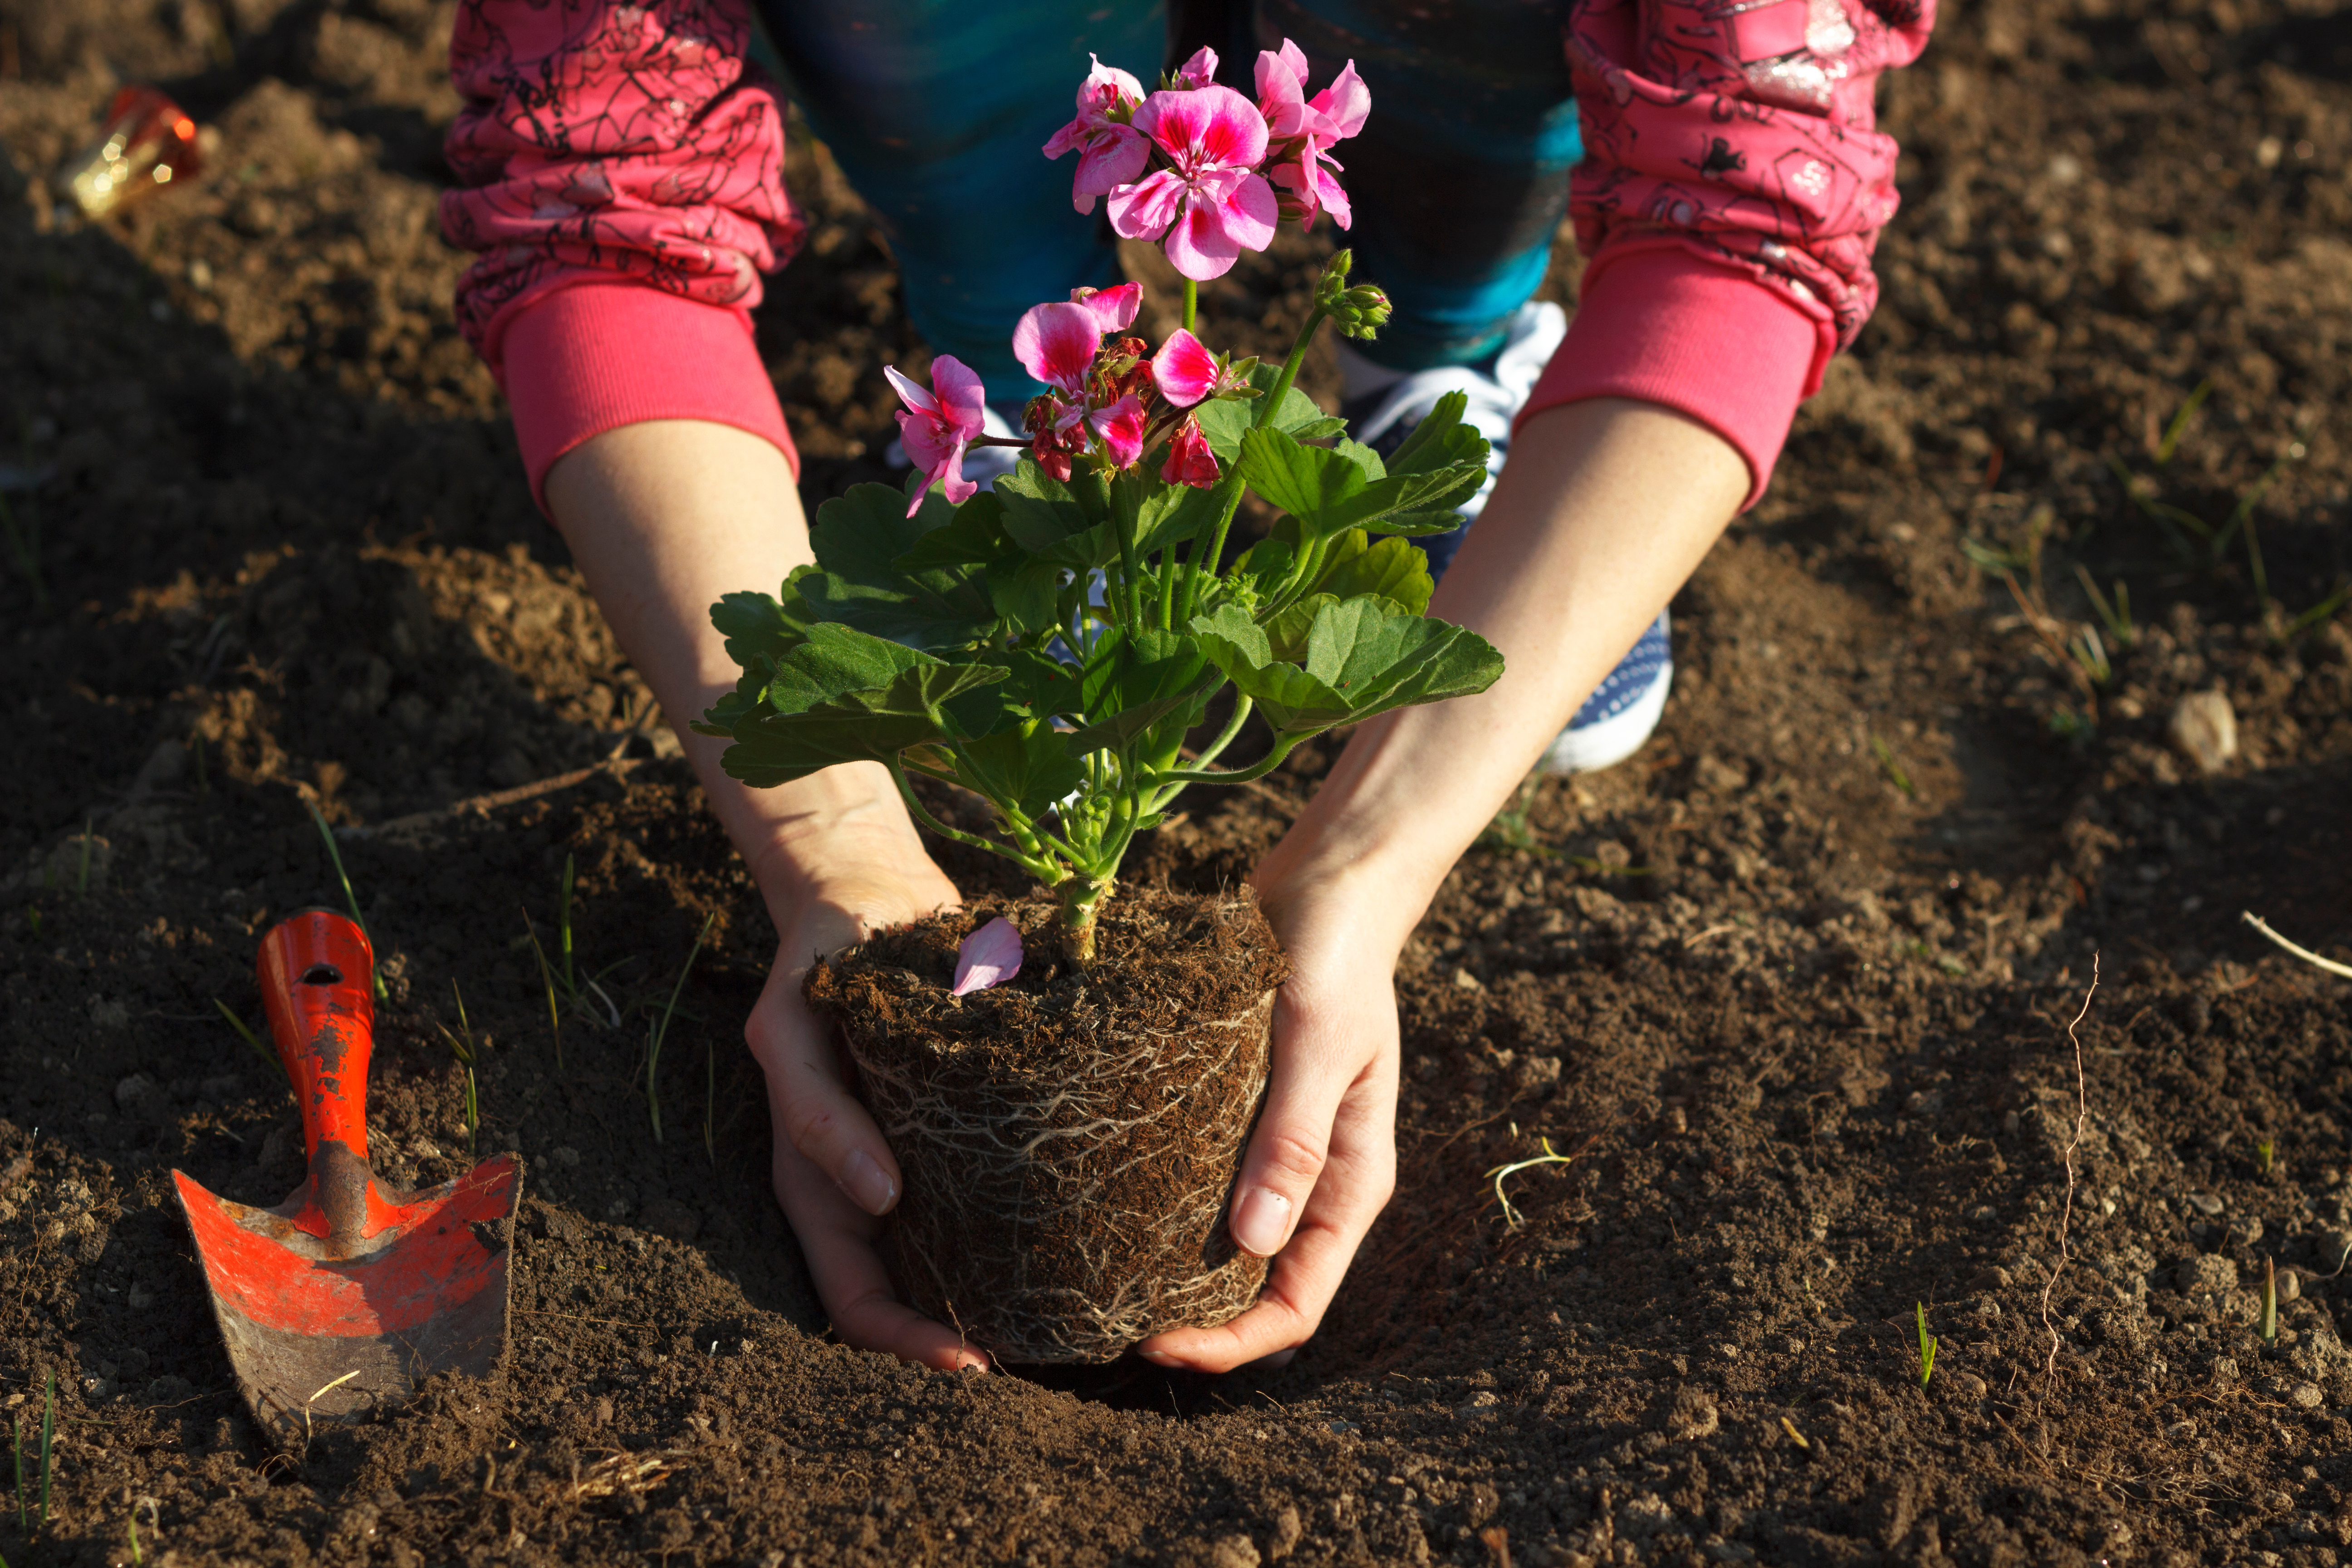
(834, 1175)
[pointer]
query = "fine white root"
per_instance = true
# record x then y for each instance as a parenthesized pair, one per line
(2066, 1215)
(2304, 953)
(1087, 1173)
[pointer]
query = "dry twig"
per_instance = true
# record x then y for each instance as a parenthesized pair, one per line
(2304, 953)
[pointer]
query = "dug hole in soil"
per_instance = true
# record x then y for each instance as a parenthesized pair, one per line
(1788, 993)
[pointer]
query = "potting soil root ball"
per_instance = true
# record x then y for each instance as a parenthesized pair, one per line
(1070, 1140)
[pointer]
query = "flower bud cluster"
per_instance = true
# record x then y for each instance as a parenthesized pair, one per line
(1358, 311)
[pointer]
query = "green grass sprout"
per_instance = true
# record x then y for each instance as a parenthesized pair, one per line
(24, 545)
(661, 1026)
(1927, 1343)
(546, 978)
(351, 899)
(1512, 1217)
(2269, 1302)
(564, 929)
(2266, 1154)
(2113, 614)
(468, 1050)
(2321, 612)
(49, 1438)
(137, 1561)
(1891, 768)
(1512, 828)
(2178, 426)
(244, 1033)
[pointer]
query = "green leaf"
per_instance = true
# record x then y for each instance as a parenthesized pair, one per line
(1286, 629)
(1047, 519)
(1441, 440)
(973, 535)
(1032, 771)
(1223, 420)
(1364, 657)
(761, 625)
(1024, 591)
(1418, 524)
(1130, 689)
(1162, 514)
(859, 538)
(844, 696)
(1393, 569)
(1328, 489)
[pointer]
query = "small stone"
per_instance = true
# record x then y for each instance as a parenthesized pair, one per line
(565, 1155)
(1284, 1534)
(2304, 1397)
(1466, 981)
(2180, 1431)
(1233, 1551)
(2205, 1203)
(1993, 1278)
(2206, 1273)
(1691, 1416)
(2204, 728)
(2290, 1286)
(1968, 1385)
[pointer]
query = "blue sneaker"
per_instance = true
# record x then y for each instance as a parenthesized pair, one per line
(1621, 712)
(1619, 716)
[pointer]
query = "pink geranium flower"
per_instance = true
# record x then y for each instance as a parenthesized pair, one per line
(1190, 462)
(1111, 152)
(937, 429)
(1208, 205)
(1183, 370)
(1120, 426)
(1315, 125)
(1114, 308)
(1058, 342)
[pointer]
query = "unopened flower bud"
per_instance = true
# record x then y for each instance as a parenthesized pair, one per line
(1360, 311)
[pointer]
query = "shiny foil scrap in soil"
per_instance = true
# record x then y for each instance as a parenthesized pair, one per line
(148, 144)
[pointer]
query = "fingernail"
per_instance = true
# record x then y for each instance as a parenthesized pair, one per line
(1159, 1358)
(1263, 1222)
(865, 1182)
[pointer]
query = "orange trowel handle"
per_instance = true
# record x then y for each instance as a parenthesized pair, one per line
(317, 974)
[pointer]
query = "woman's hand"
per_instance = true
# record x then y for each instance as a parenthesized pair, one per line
(1323, 1160)
(834, 1173)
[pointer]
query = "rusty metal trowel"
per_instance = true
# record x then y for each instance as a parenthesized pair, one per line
(342, 1298)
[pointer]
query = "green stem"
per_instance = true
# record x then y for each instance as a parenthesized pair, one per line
(1164, 793)
(1289, 369)
(1191, 303)
(1209, 558)
(1043, 871)
(1256, 769)
(1215, 554)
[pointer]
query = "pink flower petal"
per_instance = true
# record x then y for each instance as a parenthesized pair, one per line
(1200, 69)
(1183, 370)
(1058, 343)
(1114, 308)
(1210, 236)
(1345, 102)
(910, 390)
(1210, 127)
(1121, 428)
(962, 400)
(989, 956)
(1282, 90)
(1144, 210)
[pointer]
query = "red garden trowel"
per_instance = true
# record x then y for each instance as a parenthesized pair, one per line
(345, 1296)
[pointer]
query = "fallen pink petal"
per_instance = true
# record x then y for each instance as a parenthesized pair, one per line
(989, 956)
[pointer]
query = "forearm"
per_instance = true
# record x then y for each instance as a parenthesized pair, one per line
(664, 517)
(1604, 510)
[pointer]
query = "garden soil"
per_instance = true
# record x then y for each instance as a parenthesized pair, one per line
(1791, 996)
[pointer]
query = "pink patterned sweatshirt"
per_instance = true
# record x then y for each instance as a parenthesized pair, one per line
(620, 176)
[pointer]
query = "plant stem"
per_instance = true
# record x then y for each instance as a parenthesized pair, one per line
(1081, 896)
(1043, 872)
(1257, 769)
(49, 1434)
(1191, 303)
(563, 930)
(351, 899)
(1272, 399)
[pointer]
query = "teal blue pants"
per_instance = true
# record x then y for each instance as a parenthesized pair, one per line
(937, 111)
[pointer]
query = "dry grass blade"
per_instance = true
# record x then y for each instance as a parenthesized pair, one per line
(622, 1473)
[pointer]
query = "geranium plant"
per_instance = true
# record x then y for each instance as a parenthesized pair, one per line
(1052, 644)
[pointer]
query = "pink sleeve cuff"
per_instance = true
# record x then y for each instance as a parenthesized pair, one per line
(1660, 324)
(596, 356)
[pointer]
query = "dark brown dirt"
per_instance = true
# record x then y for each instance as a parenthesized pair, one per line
(1069, 1139)
(1791, 987)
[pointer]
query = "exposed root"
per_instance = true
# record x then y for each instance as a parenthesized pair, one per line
(2066, 1215)
(1063, 1216)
